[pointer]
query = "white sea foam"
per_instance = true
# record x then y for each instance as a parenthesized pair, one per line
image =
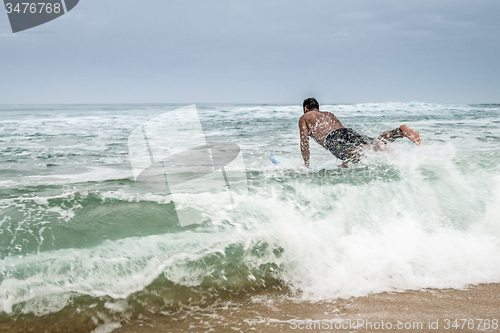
(93, 175)
(385, 241)
(116, 269)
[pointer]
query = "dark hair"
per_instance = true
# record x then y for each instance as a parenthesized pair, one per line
(311, 104)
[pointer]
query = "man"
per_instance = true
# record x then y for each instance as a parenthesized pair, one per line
(344, 143)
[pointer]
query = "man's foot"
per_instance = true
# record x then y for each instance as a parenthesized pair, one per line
(410, 134)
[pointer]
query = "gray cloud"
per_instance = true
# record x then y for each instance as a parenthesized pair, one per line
(257, 52)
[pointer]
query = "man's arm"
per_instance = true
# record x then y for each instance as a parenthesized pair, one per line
(304, 141)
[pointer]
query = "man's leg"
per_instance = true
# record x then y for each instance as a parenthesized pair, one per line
(400, 132)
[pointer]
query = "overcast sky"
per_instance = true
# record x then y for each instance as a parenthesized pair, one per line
(159, 51)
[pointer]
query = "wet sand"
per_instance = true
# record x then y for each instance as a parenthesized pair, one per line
(272, 312)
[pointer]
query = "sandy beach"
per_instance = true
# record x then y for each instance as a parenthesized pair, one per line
(277, 315)
(475, 309)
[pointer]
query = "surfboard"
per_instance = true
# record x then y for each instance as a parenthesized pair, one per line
(285, 162)
(293, 163)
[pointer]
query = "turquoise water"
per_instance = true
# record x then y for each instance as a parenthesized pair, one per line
(75, 229)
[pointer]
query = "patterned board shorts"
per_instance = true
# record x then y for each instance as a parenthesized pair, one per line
(341, 141)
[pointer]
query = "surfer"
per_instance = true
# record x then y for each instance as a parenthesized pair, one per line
(344, 143)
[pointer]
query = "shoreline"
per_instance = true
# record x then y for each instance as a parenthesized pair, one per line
(274, 311)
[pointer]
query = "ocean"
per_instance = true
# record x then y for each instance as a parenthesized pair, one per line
(81, 242)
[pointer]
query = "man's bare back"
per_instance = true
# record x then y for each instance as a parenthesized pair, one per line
(317, 124)
(345, 143)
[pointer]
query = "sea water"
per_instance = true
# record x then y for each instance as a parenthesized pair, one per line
(76, 230)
